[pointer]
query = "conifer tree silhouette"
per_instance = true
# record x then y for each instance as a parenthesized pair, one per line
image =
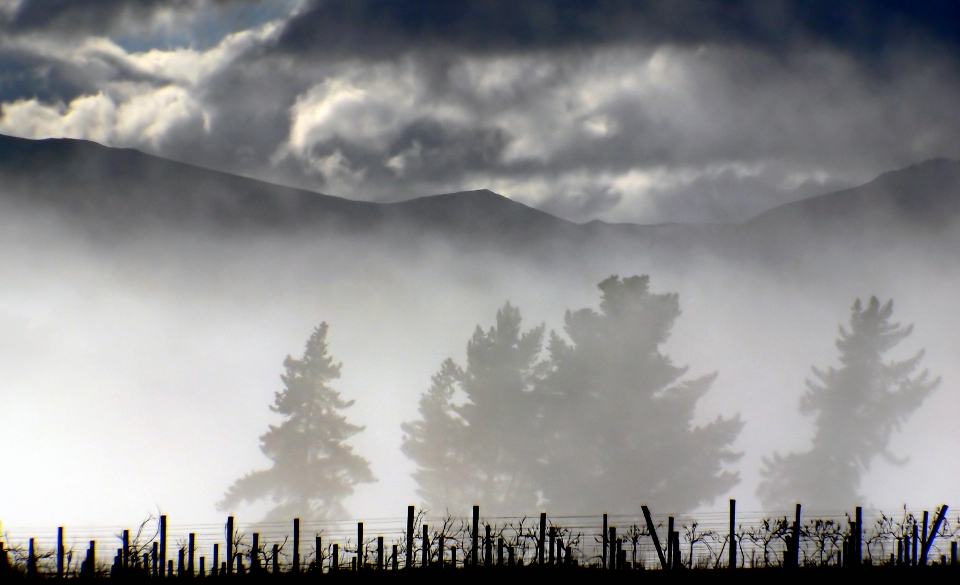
(856, 408)
(605, 422)
(619, 415)
(478, 450)
(313, 468)
(435, 442)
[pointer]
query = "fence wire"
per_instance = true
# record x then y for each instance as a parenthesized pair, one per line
(761, 539)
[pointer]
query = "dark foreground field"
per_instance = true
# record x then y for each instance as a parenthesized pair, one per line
(831, 574)
(858, 546)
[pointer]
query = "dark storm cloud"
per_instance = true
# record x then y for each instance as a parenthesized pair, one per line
(627, 111)
(25, 74)
(91, 16)
(139, 24)
(371, 27)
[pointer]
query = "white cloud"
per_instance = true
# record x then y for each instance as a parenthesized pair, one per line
(367, 106)
(142, 114)
(191, 67)
(134, 116)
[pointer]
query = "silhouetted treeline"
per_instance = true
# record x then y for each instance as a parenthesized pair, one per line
(605, 418)
(597, 417)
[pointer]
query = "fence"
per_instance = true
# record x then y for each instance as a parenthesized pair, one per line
(159, 548)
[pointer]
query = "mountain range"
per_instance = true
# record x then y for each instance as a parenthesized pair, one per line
(124, 189)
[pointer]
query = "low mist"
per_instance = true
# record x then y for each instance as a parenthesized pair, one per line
(136, 372)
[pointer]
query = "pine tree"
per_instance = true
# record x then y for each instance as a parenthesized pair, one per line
(856, 408)
(435, 442)
(619, 415)
(313, 468)
(479, 450)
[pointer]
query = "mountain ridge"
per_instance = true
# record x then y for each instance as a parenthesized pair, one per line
(926, 193)
(112, 186)
(123, 189)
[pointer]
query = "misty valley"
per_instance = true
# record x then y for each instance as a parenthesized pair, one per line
(464, 350)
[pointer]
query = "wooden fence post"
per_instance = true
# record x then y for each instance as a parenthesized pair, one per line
(31, 560)
(155, 559)
(603, 557)
(163, 546)
(552, 534)
(541, 537)
(859, 540)
(924, 536)
(335, 558)
(953, 552)
(487, 548)
(732, 538)
(424, 546)
(913, 543)
(670, 560)
(653, 534)
(379, 553)
(275, 560)
(255, 554)
(500, 551)
(92, 552)
(214, 570)
(296, 545)
(932, 535)
(192, 542)
(360, 548)
(396, 561)
(60, 553)
(409, 559)
(203, 568)
(474, 554)
(125, 558)
(319, 554)
(441, 550)
(795, 561)
(229, 557)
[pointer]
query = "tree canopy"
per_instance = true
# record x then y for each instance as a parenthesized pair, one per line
(620, 414)
(313, 469)
(856, 409)
(477, 450)
(604, 422)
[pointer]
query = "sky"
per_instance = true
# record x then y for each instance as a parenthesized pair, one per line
(647, 112)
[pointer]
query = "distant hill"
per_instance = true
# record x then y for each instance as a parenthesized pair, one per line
(922, 196)
(125, 189)
(122, 190)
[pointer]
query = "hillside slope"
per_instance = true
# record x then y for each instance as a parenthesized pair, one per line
(122, 190)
